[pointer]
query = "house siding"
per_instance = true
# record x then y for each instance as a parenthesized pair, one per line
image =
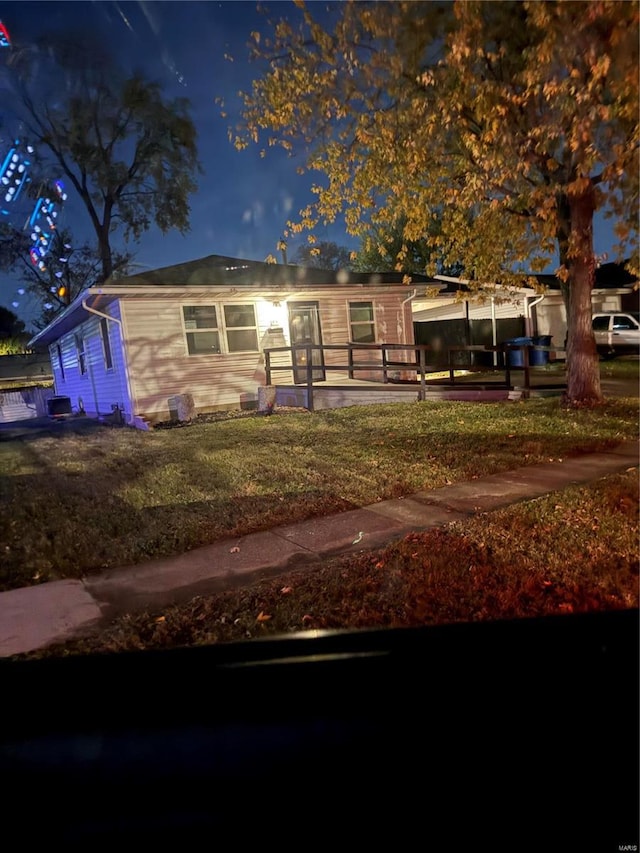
(160, 366)
(98, 390)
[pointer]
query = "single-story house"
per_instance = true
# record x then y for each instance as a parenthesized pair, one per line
(457, 315)
(133, 346)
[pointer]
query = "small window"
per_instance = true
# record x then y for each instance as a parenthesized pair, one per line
(600, 324)
(60, 362)
(240, 323)
(201, 325)
(106, 344)
(82, 358)
(361, 322)
(622, 322)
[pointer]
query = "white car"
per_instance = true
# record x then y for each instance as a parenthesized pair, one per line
(617, 333)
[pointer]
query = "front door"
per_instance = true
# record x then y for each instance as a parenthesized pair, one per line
(304, 326)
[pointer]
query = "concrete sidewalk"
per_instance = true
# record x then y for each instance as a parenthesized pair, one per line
(34, 617)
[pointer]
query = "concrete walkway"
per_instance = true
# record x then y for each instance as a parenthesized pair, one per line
(34, 617)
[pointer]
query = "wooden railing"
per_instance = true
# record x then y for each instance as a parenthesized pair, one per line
(424, 360)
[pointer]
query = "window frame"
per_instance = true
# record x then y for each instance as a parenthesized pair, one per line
(222, 328)
(106, 344)
(81, 351)
(60, 361)
(360, 323)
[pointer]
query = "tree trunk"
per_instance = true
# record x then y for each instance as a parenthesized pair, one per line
(583, 370)
(105, 253)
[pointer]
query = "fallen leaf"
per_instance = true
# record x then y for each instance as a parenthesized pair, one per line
(234, 550)
(286, 589)
(306, 618)
(161, 619)
(262, 617)
(359, 539)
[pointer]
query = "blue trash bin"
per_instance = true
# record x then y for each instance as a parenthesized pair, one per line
(515, 357)
(536, 356)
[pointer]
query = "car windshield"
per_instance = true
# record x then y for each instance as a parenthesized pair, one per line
(296, 333)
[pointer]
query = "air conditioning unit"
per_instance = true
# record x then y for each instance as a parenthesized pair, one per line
(59, 407)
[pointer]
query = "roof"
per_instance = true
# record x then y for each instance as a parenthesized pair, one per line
(214, 271)
(612, 276)
(219, 270)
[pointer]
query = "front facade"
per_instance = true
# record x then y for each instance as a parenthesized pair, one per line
(131, 346)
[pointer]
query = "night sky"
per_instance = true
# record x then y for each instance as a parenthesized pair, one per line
(243, 201)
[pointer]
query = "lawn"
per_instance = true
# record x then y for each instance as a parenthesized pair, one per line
(568, 552)
(87, 497)
(75, 504)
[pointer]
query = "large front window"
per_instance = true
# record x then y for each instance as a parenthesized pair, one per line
(240, 323)
(361, 322)
(220, 328)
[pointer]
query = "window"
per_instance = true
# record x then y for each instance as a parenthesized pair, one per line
(201, 325)
(361, 322)
(82, 358)
(60, 362)
(624, 322)
(240, 321)
(106, 344)
(600, 324)
(210, 330)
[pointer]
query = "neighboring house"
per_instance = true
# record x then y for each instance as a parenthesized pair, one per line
(494, 316)
(136, 344)
(25, 386)
(615, 289)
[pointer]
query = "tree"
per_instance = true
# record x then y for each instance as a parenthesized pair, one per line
(11, 326)
(13, 336)
(324, 255)
(130, 155)
(513, 122)
(386, 249)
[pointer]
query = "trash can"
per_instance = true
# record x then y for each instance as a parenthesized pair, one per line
(58, 407)
(537, 357)
(515, 358)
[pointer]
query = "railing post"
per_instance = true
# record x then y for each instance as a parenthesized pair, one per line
(267, 366)
(527, 376)
(309, 350)
(350, 360)
(423, 371)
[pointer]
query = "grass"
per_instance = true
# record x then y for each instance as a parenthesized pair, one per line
(75, 504)
(569, 552)
(87, 497)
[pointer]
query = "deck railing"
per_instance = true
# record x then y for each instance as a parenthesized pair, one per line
(423, 361)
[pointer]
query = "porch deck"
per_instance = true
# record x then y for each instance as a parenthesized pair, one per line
(329, 386)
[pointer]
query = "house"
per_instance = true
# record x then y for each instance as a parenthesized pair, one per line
(25, 385)
(457, 316)
(137, 346)
(615, 289)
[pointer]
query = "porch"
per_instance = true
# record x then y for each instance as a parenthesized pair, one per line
(326, 377)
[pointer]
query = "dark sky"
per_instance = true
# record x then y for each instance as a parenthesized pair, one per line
(243, 201)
